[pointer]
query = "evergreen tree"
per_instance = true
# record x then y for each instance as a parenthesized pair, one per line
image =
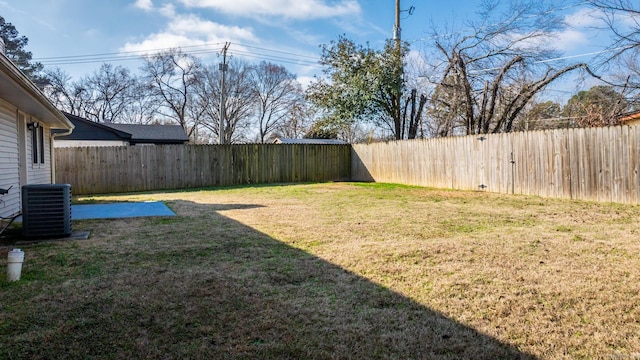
(15, 51)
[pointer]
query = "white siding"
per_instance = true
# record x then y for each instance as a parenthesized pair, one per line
(9, 169)
(78, 143)
(39, 173)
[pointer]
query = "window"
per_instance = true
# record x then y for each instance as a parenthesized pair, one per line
(34, 144)
(37, 142)
(41, 143)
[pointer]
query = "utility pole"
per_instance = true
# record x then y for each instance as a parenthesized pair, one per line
(397, 103)
(223, 67)
(397, 31)
(397, 34)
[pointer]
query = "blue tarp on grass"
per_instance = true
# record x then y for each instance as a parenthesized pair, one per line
(120, 210)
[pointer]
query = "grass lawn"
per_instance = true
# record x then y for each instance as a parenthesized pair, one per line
(337, 270)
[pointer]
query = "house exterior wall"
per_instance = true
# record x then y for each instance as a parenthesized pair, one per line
(9, 162)
(16, 155)
(20, 101)
(632, 122)
(39, 173)
(76, 143)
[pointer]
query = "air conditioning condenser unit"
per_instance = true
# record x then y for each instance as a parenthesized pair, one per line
(46, 210)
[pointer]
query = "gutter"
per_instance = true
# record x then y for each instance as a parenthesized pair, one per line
(15, 74)
(52, 151)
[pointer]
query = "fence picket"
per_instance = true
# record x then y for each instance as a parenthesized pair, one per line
(93, 170)
(601, 164)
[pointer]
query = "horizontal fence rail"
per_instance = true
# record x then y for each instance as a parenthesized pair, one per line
(97, 170)
(599, 164)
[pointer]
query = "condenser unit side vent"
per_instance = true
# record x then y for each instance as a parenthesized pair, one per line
(46, 210)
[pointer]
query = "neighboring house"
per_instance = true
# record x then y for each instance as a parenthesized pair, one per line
(153, 134)
(90, 133)
(630, 118)
(309, 141)
(27, 119)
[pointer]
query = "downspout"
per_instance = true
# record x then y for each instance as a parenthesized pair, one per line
(53, 153)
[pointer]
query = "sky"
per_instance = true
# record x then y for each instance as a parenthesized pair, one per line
(79, 35)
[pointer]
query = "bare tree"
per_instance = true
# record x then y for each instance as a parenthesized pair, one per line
(445, 110)
(622, 18)
(491, 74)
(173, 76)
(143, 107)
(239, 101)
(110, 93)
(412, 114)
(65, 94)
(298, 120)
(276, 91)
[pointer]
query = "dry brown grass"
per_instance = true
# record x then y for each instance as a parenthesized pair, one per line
(335, 271)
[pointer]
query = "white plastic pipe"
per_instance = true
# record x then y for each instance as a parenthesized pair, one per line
(14, 264)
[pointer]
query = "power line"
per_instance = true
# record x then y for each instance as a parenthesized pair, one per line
(136, 52)
(315, 58)
(579, 55)
(277, 58)
(203, 49)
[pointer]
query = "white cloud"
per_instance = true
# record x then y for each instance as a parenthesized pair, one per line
(583, 18)
(304, 37)
(305, 80)
(416, 61)
(190, 30)
(160, 41)
(566, 40)
(295, 9)
(168, 10)
(146, 5)
(195, 26)
(569, 40)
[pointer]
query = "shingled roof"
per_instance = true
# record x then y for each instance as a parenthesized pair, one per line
(152, 134)
(130, 133)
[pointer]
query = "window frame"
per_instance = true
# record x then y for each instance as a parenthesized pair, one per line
(37, 144)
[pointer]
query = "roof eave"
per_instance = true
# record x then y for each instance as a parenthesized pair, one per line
(122, 134)
(18, 89)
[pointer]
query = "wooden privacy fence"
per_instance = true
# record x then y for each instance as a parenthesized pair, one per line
(94, 170)
(600, 164)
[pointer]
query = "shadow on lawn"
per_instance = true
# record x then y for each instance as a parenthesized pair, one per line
(211, 287)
